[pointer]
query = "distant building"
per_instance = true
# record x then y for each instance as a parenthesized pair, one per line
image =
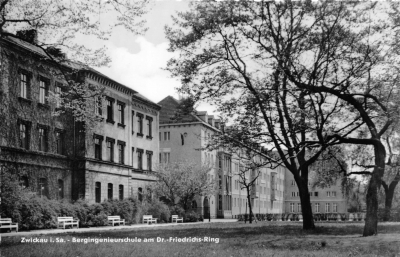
(54, 156)
(183, 137)
(323, 200)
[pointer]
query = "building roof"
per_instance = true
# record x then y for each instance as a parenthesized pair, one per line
(75, 65)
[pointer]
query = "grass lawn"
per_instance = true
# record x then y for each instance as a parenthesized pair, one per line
(234, 239)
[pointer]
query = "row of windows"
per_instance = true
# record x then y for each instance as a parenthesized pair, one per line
(24, 137)
(98, 145)
(167, 136)
(25, 79)
(110, 192)
(121, 117)
(328, 194)
(328, 207)
(165, 157)
(43, 188)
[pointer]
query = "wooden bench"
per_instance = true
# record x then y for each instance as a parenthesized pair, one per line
(67, 221)
(176, 218)
(7, 223)
(112, 220)
(149, 219)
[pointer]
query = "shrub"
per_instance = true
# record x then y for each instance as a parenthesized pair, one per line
(157, 209)
(192, 216)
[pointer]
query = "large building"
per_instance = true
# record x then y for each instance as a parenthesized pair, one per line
(55, 156)
(185, 137)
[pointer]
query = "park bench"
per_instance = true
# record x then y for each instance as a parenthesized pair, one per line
(149, 219)
(7, 223)
(67, 222)
(175, 218)
(112, 220)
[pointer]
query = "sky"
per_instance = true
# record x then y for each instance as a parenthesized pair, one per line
(138, 61)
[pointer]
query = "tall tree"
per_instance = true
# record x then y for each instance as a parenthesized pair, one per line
(227, 57)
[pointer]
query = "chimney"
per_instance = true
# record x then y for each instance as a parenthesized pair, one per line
(29, 36)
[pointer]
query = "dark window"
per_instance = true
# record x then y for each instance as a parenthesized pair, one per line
(140, 124)
(159, 136)
(140, 194)
(139, 159)
(110, 110)
(133, 121)
(42, 135)
(23, 135)
(316, 194)
(24, 182)
(121, 152)
(42, 186)
(98, 192)
(133, 155)
(149, 127)
(59, 142)
(98, 143)
(24, 85)
(121, 114)
(110, 149)
(149, 155)
(60, 189)
(43, 91)
(110, 191)
(219, 202)
(121, 192)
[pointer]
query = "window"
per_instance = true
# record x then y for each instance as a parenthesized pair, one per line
(43, 189)
(298, 207)
(121, 192)
(328, 194)
(316, 194)
(139, 158)
(327, 208)
(59, 142)
(333, 193)
(24, 84)
(291, 207)
(316, 207)
(149, 157)
(219, 202)
(98, 192)
(149, 127)
(297, 194)
(42, 136)
(140, 194)
(166, 157)
(43, 91)
(98, 142)
(133, 122)
(110, 149)
(166, 136)
(60, 189)
(133, 154)
(121, 152)
(293, 194)
(23, 134)
(334, 207)
(159, 136)
(121, 114)
(57, 92)
(110, 191)
(293, 183)
(140, 124)
(110, 110)
(24, 182)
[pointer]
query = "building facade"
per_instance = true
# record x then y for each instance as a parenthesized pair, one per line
(327, 200)
(185, 138)
(55, 156)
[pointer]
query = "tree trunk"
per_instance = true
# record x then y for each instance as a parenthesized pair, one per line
(249, 203)
(306, 210)
(389, 193)
(371, 221)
